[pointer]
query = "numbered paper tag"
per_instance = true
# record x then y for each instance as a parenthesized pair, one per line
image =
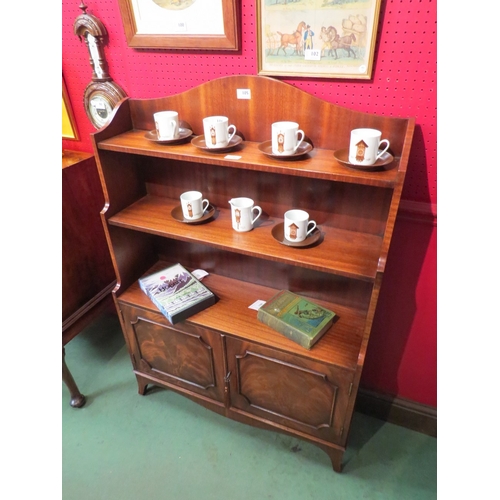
(180, 26)
(243, 94)
(312, 54)
(199, 274)
(257, 304)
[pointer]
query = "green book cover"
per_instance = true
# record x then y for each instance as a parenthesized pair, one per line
(295, 317)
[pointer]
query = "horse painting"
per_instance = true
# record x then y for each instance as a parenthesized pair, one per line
(345, 43)
(331, 41)
(295, 39)
(329, 38)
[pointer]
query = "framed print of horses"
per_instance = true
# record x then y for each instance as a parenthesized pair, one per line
(180, 24)
(317, 38)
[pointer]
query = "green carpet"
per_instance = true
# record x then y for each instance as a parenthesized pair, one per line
(123, 446)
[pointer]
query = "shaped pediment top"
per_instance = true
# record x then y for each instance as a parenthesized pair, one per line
(87, 23)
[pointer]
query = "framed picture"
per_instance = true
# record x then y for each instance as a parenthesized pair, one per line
(181, 24)
(69, 130)
(317, 38)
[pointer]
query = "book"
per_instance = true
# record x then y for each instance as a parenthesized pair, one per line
(296, 318)
(176, 293)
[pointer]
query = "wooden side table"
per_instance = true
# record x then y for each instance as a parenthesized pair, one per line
(87, 271)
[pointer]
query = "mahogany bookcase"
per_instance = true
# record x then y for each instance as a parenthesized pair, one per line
(223, 357)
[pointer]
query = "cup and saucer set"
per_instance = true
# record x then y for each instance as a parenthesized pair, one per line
(366, 151)
(219, 136)
(287, 142)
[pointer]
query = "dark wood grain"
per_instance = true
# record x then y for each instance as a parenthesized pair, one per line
(86, 262)
(87, 273)
(319, 163)
(228, 40)
(342, 252)
(231, 314)
(327, 125)
(223, 357)
(188, 356)
(290, 392)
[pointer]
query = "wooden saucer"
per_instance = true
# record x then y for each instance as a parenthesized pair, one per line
(267, 148)
(179, 216)
(199, 142)
(342, 156)
(278, 233)
(184, 133)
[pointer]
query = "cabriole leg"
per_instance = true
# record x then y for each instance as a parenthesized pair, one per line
(77, 398)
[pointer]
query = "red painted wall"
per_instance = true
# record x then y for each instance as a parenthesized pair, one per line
(401, 359)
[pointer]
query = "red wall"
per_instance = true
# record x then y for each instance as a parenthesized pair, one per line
(402, 358)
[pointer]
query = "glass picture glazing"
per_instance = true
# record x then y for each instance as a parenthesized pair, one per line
(317, 38)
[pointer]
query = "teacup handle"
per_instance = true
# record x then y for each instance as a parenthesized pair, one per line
(204, 204)
(234, 132)
(301, 133)
(386, 148)
(172, 127)
(312, 228)
(259, 210)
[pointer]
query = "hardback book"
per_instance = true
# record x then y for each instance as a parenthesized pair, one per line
(295, 317)
(176, 293)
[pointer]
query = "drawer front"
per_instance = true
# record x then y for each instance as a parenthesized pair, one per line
(289, 390)
(183, 355)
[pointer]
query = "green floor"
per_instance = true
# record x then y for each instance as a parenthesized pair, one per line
(123, 446)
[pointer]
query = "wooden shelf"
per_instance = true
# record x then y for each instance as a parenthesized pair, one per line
(231, 315)
(341, 252)
(318, 164)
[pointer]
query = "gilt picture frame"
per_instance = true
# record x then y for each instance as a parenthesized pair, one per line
(317, 38)
(181, 24)
(69, 130)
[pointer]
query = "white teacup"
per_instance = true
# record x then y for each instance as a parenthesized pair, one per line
(297, 226)
(167, 125)
(218, 132)
(285, 138)
(193, 205)
(244, 213)
(365, 146)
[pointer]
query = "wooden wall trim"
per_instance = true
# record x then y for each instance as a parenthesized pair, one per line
(409, 414)
(87, 313)
(418, 211)
(88, 306)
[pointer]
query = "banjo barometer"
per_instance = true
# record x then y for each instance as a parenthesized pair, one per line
(102, 94)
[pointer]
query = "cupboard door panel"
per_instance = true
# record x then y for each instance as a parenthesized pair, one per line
(288, 390)
(183, 355)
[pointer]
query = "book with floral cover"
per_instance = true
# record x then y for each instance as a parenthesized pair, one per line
(176, 293)
(297, 318)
